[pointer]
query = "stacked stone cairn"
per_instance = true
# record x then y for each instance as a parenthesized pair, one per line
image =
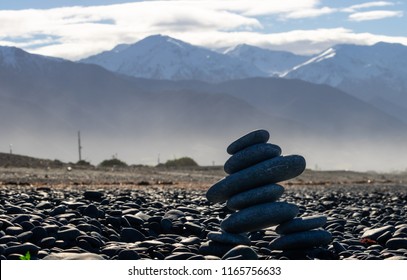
(251, 190)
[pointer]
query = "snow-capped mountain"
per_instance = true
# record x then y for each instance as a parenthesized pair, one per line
(274, 63)
(377, 73)
(163, 57)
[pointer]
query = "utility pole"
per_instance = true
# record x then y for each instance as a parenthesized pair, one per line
(79, 146)
(11, 149)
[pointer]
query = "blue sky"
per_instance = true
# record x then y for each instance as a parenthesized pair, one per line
(75, 29)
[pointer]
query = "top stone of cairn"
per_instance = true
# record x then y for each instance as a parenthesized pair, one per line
(252, 138)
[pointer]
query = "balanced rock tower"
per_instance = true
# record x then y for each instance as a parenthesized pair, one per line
(251, 190)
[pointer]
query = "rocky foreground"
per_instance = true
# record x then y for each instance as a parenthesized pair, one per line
(164, 214)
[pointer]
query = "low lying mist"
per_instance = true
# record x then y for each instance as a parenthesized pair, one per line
(207, 150)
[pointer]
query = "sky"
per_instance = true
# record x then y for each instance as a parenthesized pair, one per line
(75, 29)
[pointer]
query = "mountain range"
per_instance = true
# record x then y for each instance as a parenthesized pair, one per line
(163, 57)
(44, 101)
(375, 74)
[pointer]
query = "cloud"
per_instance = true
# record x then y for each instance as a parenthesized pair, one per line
(367, 5)
(309, 13)
(297, 41)
(77, 32)
(374, 15)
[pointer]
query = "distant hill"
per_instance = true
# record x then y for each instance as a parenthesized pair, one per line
(12, 160)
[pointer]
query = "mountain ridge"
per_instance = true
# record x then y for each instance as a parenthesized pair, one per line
(41, 110)
(163, 57)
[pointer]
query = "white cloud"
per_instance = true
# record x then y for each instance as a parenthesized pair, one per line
(374, 15)
(367, 5)
(297, 41)
(77, 32)
(309, 13)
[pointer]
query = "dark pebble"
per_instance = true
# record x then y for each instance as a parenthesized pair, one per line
(241, 252)
(47, 242)
(397, 243)
(263, 194)
(131, 235)
(22, 249)
(91, 211)
(301, 240)
(180, 256)
(68, 234)
(251, 156)
(251, 138)
(259, 217)
(301, 224)
(229, 238)
(93, 195)
(14, 230)
(128, 255)
(267, 172)
(376, 232)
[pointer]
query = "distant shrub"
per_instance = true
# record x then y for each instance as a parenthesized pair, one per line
(114, 162)
(181, 162)
(57, 163)
(83, 163)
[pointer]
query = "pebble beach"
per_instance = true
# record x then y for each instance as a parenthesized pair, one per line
(163, 214)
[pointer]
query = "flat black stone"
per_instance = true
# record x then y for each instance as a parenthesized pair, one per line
(128, 255)
(301, 224)
(397, 243)
(252, 138)
(301, 240)
(267, 172)
(376, 232)
(251, 156)
(93, 195)
(22, 249)
(229, 238)
(241, 252)
(259, 217)
(215, 248)
(131, 235)
(264, 194)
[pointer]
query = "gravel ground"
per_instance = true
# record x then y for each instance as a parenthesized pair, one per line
(126, 214)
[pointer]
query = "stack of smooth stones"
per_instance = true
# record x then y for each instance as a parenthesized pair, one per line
(251, 190)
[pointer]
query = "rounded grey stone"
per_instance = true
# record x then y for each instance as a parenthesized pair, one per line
(267, 172)
(251, 138)
(229, 238)
(190, 240)
(264, 194)
(73, 256)
(301, 240)
(170, 217)
(301, 224)
(251, 156)
(241, 252)
(181, 256)
(376, 232)
(259, 216)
